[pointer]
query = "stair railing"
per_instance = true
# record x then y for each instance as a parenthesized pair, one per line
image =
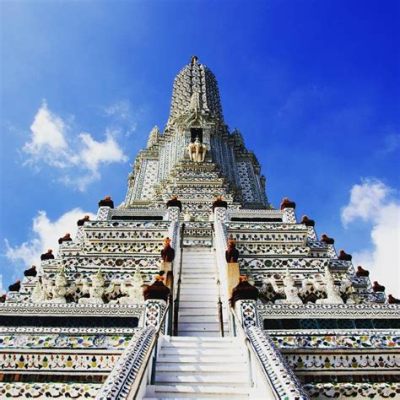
(178, 290)
(174, 233)
(220, 310)
(266, 361)
(137, 363)
(155, 352)
(220, 239)
(238, 331)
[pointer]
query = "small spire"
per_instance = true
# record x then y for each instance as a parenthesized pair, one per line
(194, 60)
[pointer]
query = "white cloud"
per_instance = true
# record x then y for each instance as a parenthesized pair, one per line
(45, 235)
(47, 130)
(78, 160)
(47, 139)
(94, 153)
(365, 201)
(373, 202)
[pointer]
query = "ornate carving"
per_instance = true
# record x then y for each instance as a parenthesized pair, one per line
(332, 292)
(362, 390)
(23, 390)
(338, 339)
(248, 312)
(311, 310)
(56, 290)
(290, 290)
(154, 312)
(132, 289)
(96, 291)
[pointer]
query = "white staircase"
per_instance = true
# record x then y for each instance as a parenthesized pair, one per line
(201, 368)
(199, 363)
(198, 300)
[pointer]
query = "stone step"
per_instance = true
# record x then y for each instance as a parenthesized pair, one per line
(200, 391)
(198, 264)
(177, 339)
(195, 397)
(238, 379)
(203, 279)
(192, 261)
(198, 256)
(206, 311)
(199, 280)
(203, 326)
(198, 287)
(235, 369)
(191, 397)
(195, 264)
(185, 328)
(196, 344)
(200, 297)
(200, 333)
(205, 274)
(196, 359)
(200, 352)
(207, 270)
(196, 291)
(199, 249)
(198, 318)
(197, 304)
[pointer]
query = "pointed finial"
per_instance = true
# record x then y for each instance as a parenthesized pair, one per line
(194, 60)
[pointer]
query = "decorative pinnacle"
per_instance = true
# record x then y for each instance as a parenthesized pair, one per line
(194, 60)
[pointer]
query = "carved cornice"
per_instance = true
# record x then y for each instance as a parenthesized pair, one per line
(344, 390)
(312, 310)
(72, 309)
(316, 341)
(25, 390)
(66, 330)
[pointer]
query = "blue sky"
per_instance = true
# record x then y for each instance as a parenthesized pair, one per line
(314, 86)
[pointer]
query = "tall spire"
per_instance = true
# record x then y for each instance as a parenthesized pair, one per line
(195, 86)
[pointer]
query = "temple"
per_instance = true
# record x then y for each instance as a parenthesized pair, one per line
(196, 287)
